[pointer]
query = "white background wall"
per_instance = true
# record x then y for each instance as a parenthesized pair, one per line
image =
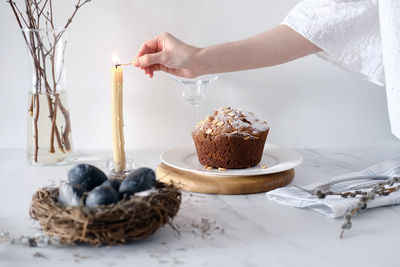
(308, 102)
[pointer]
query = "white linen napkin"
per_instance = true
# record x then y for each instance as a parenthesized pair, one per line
(336, 206)
(360, 36)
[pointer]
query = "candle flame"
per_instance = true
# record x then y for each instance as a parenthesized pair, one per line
(115, 59)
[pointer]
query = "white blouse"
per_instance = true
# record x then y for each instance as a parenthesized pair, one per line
(361, 36)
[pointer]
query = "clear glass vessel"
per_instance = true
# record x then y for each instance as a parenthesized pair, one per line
(193, 91)
(49, 137)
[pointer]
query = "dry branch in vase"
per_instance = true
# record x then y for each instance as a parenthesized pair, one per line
(51, 124)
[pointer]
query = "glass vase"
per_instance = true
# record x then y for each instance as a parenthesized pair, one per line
(49, 138)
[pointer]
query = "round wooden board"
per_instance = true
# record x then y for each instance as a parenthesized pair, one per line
(201, 183)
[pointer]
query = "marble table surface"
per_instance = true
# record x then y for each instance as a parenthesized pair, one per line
(215, 230)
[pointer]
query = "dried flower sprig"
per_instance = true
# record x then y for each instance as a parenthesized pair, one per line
(381, 189)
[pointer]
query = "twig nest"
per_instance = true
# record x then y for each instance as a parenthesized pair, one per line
(132, 218)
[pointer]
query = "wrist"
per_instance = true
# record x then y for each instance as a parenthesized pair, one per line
(212, 59)
(197, 61)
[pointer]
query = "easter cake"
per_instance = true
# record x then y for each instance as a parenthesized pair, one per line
(230, 138)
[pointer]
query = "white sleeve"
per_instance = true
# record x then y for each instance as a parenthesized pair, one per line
(389, 14)
(348, 32)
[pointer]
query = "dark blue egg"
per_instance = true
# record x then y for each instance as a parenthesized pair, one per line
(138, 180)
(113, 183)
(78, 189)
(87, 175)
(102, 195)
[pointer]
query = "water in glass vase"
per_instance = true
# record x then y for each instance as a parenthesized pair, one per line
(49, 129)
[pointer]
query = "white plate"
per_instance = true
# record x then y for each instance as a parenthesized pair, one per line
(276, 158)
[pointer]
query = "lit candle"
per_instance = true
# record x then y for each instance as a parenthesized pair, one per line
(117, 118)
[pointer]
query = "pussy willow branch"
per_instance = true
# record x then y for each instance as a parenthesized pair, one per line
(35, 11)
(39, 71)
(54, 129)
(40, 56)
(382, 188)
(36, 118)
(67, 129)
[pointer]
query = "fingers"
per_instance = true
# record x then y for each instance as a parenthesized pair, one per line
(149, 59)
(156, 67)
(150, 46)
(153, 56)
(149, 71)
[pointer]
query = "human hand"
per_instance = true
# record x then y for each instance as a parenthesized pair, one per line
(166, 53)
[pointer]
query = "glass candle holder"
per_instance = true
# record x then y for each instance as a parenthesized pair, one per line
(119, 175)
